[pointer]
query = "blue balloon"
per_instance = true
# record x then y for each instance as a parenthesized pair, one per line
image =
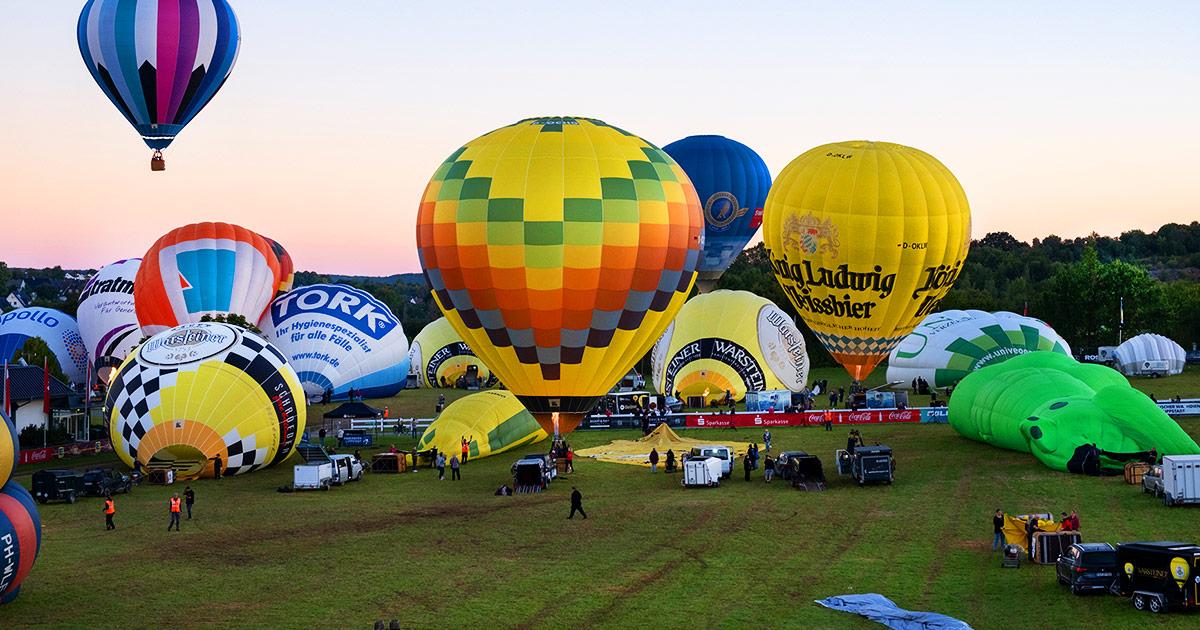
(732, 182)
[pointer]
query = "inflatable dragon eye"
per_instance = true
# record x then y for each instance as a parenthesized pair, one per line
(865, 238)
(203, 391)
(560, 249)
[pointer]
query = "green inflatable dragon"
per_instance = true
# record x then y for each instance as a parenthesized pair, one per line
(1074, 417)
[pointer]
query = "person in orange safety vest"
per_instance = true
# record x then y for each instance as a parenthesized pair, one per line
(110, 509)
(176, 505)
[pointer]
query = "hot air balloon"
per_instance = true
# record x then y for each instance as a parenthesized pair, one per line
(205, 269)
(107, 320)
(21, 538)
(287, 268)
(159, 61)
(731, 341)
(732, 181)
(58, 330)
(1149, 354)
(948, 345)
(10, 445)
(439, 356)
(560, 249)
(492, 422)
(865, 238)
(339, 338)
(201, 391)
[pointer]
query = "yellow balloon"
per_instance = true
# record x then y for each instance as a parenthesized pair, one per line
(438, 354)
(492, 422)
(865, 238)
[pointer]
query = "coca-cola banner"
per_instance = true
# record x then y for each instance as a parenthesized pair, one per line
(808, 418)
(37, 455)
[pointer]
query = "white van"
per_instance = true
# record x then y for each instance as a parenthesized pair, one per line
(346, 468)
(721, 452)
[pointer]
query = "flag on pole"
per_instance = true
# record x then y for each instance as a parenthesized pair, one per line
(1025, 311)
(46, 386)
(1122, 311)
(7, 392)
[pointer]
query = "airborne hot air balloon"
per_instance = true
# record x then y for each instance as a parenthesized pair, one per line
(58, 330)
(732, 181)
(201, 391)
(20, 538)
(948, 345)
(340, 338)
(439, 354)
(731, 341)
(107, 320)
(865, 238)
(159, 61)
(205, 269)
(560, 249)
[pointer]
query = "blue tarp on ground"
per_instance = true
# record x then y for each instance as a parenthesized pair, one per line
(880, 609)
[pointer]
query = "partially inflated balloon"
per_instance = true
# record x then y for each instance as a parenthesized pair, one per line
(158, 61)
(948, 345)
(59, 331)
(732, 181)
(287, 268)
(729, 341)
(560, 249)
(9, 447)
(439, 356)
(865, 238)
(107, 319)
(339, 338)
(492, 422)
(205, 269)
(201, 391)
(20, 538)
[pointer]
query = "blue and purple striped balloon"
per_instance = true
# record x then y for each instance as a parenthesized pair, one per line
(159, 61)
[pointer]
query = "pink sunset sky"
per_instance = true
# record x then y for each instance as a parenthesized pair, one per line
(1065, 119)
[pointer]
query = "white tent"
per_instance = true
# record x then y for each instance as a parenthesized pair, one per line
(1149, 354)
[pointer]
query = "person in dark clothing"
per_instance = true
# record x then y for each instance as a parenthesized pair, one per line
(753, 453)
(653, 460)
(576, 503)
(217, 468)
(1031, 528)
(851, 442)
(110, 509)
(998, 527)
(746, 465)
(670, 460)
(454, 474)
(321, 436)
(189, 497)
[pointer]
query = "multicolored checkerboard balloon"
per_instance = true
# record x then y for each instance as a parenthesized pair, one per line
(560, 249)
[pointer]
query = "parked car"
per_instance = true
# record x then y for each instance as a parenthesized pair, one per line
(57, 484)
(721, 452)
(1088, 567)
(1159, 576)
(99, 482)
(1152, 482)
(346, 468)
(674, 405)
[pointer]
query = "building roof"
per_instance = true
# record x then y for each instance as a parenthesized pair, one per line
(25, 384)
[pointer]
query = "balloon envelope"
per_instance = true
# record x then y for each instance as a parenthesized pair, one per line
(948, 345)
(731, 341)
(58, 330)
(10, 446)
(439, 355)
(158, 61)
(206, 390)
(205, 269)
(732, 182)
(560, 249)
(107, 319)
(1149, 353)
(865, 238)
(21, 533)
(492, 422)
(340, 338)
(287, 268)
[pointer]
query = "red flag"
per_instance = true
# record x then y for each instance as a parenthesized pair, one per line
(1026, 311)
(46, 386)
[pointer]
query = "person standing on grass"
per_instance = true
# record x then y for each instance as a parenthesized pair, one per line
(998, 527)
(767, 439)
(217, 469)
(653, 460)
(768, 468)
(466, 448)
(1031, 528)
(753, 453)
(189, 497)
(570, 460)
(441, 466)
(110, 509)
(321, 436)
(576, 503)
(1074, 520)
(746, 465)
(454, 474)
(174, 507)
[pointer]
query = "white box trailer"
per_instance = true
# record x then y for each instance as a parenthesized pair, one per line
(312, 476)
(1180, 479)
(701, 472)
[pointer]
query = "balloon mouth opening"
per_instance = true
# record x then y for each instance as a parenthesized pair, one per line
(186, 461)
(558, 423)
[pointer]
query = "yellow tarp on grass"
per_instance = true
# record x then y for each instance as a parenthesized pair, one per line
(1014, 530)
(637, 452)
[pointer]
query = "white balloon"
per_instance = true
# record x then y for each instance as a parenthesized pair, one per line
(107, 320)
(1145, 354)
(57, 329)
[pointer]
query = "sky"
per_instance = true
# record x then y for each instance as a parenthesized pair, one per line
(1063, 117)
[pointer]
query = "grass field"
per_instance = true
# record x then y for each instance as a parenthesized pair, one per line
(449, 553)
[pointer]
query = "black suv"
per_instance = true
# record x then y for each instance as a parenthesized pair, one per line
(1088, 566)
(99, 482)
